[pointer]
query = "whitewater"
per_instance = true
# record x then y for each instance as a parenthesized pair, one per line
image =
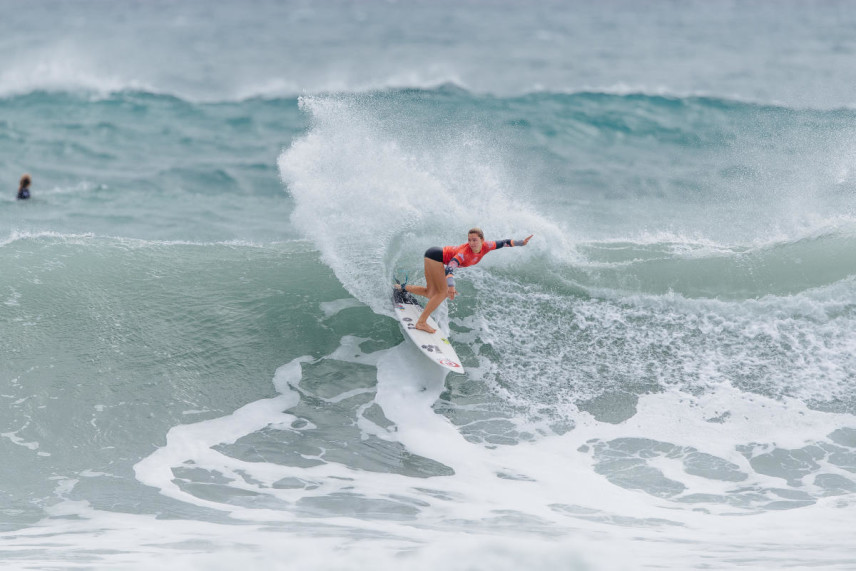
(199, 364)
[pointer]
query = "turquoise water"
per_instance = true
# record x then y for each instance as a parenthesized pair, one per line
(199, 365)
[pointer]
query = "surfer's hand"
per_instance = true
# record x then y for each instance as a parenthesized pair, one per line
(526, 241)
(452, 292)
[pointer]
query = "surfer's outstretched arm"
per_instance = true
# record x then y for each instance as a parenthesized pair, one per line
(509, 242)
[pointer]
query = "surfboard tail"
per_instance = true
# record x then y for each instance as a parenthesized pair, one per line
(402, 296)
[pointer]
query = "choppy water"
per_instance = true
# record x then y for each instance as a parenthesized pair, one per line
(199, 368)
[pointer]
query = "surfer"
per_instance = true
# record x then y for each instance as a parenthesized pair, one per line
(440, 264)
(24, 188)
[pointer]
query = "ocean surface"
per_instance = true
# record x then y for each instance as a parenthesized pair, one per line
(199, 365)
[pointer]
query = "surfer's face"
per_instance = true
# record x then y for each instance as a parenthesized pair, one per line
(475, 243)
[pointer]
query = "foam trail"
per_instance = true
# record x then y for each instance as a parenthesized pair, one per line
(406, 394)
(560, 485)
(196, 441)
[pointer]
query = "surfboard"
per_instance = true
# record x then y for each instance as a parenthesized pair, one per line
(433, 345)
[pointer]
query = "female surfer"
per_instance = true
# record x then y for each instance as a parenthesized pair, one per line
(440, 264)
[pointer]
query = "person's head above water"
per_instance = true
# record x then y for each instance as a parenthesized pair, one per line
(25, 181)
(475, 238)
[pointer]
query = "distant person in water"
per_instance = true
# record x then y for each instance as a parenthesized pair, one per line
(440, 264)
(24, 187)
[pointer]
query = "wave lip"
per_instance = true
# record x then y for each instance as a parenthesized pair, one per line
(64, 72)
(70, 79)
(706, 269)
(67, 78)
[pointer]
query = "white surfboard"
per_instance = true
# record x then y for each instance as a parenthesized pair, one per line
(434, 345)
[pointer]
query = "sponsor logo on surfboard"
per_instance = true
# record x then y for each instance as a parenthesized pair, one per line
(438, 348)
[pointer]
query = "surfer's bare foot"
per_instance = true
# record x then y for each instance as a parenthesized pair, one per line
(423, 327)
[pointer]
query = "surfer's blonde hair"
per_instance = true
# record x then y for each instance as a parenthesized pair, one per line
(25, 180)
(476, 230)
